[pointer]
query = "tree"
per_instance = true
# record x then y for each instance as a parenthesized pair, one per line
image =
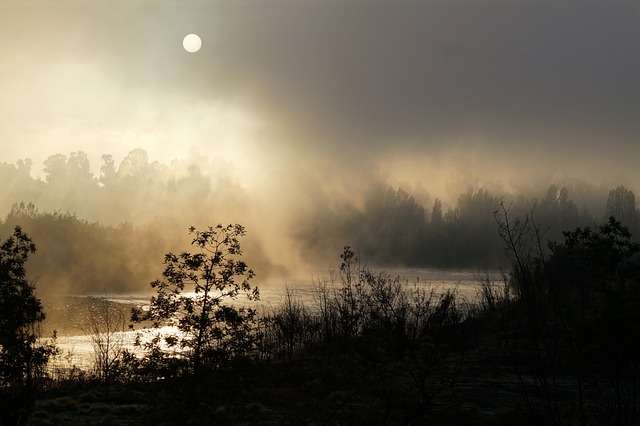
(22, 358)
(63, 170)
(470, 229)
(557, 211)
(193, 296)
(393, 227)
(574, 321)
(436, 213)
(106, 329)
(107, 170)
(601, 261)
(621, 203)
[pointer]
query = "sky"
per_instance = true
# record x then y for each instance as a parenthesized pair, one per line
(302, 95)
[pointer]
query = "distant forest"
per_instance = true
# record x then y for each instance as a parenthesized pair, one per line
(394, 229)
(111, 231)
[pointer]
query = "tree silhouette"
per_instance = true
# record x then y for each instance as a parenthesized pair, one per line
(194, 297)
(621, 203)
(21, 356)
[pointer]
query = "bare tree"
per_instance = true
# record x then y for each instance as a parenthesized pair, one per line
(106, 329)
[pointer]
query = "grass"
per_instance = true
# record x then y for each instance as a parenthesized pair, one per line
(85, 404)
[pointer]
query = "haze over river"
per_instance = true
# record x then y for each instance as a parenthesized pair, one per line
(70, 315)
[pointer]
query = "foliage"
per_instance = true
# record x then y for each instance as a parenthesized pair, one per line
(492, 296)
(286, 329)
(603, 260)
(195, 296)
(392, 228)
(79, 256)
(395, 335)
(621, 203)
(22, 358)
(573, 324)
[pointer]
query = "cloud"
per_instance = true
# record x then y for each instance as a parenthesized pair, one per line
(323, 92)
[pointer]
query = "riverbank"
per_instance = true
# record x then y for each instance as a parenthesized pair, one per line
(306, 391)
(70, 316)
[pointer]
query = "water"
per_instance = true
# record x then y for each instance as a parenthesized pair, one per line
(71, 315)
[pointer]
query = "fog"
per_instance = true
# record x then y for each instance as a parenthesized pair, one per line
(297, 119)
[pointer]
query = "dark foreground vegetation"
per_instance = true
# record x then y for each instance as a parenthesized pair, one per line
(552, 342)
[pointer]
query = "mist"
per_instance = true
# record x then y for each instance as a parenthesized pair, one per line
(109, 232)
(313, 124)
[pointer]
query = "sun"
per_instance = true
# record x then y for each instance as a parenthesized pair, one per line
(192, 43)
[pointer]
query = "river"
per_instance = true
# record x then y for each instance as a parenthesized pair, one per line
(70, 315)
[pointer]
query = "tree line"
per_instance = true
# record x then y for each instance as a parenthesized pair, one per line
(392, 228)
(388, 224)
